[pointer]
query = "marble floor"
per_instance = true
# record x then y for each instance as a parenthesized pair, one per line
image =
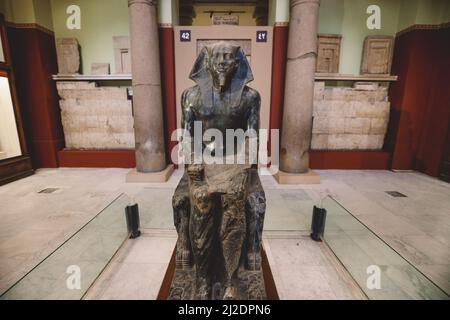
(34, 224)
(302, 269)
(137, 270)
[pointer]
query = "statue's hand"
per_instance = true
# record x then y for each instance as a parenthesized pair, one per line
(196, 172)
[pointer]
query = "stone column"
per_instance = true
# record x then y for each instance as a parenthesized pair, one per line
(147, 96)
(299, 88)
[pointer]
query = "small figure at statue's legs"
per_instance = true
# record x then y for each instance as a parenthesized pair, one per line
(181, 213)
(255, 209)
(201, 231)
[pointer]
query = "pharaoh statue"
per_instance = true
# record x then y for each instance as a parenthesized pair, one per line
(219, 208)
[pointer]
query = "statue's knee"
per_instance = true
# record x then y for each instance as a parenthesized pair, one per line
(180, 202)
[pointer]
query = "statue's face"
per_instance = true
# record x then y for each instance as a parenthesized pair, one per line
(222, 63)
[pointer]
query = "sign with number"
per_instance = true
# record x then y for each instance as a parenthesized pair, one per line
(185, 35)
(261, 36)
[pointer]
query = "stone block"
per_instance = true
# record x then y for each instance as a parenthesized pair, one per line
(99, 140)
(368, 110)
(100, 68)
(332, 108)
(97, 107)
(350, 94)
(343, 141)
(319, 89)
(335, 93)
(365, 86)
(75, 85)
(375, 141)
(378, 126)
(357, 125)
(319, 141)
(384, 108)
(110, 124)
(102, 93)
(328, 125)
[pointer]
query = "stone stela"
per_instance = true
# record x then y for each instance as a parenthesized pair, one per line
(68, 54)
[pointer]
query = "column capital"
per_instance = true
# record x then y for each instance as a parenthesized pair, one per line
(297, 2)
(147, 2)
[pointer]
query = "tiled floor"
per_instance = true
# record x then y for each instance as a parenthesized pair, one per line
(32, 225)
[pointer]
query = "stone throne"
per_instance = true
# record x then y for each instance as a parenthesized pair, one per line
(219, 208)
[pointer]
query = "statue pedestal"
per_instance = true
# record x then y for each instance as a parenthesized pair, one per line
(310, 177)
(150, 177)
(179, 283)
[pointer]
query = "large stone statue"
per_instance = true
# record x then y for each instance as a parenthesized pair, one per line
(219, 208)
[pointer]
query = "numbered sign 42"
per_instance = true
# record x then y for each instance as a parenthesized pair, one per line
(185, 35)
(261, 36)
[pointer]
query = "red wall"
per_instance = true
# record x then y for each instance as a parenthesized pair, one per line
(34, 61)
(420, 100)
(167, 53)
(279, 56)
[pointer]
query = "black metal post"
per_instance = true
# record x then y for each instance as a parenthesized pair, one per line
(133, 224)
(318, 223)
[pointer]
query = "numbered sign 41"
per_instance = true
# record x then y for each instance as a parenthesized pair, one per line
(261, 36)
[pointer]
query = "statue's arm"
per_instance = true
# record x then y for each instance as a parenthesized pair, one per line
(195, 171)
(254, 105)
(187, 114)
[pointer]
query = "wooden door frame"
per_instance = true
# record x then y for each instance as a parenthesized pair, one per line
(18, 167)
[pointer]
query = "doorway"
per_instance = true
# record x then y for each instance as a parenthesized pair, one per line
(189, 40)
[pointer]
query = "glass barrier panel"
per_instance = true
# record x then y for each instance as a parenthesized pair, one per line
(70, 270)
(377, 268)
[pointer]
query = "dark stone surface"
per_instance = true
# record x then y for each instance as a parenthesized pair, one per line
(251, 286)
(219, 209)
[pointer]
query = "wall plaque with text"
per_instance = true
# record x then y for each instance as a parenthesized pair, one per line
(225, 20)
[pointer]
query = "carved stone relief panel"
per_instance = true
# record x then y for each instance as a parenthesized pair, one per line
(68, 54)
(377, 55)
(122, 54)
(328, 53)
